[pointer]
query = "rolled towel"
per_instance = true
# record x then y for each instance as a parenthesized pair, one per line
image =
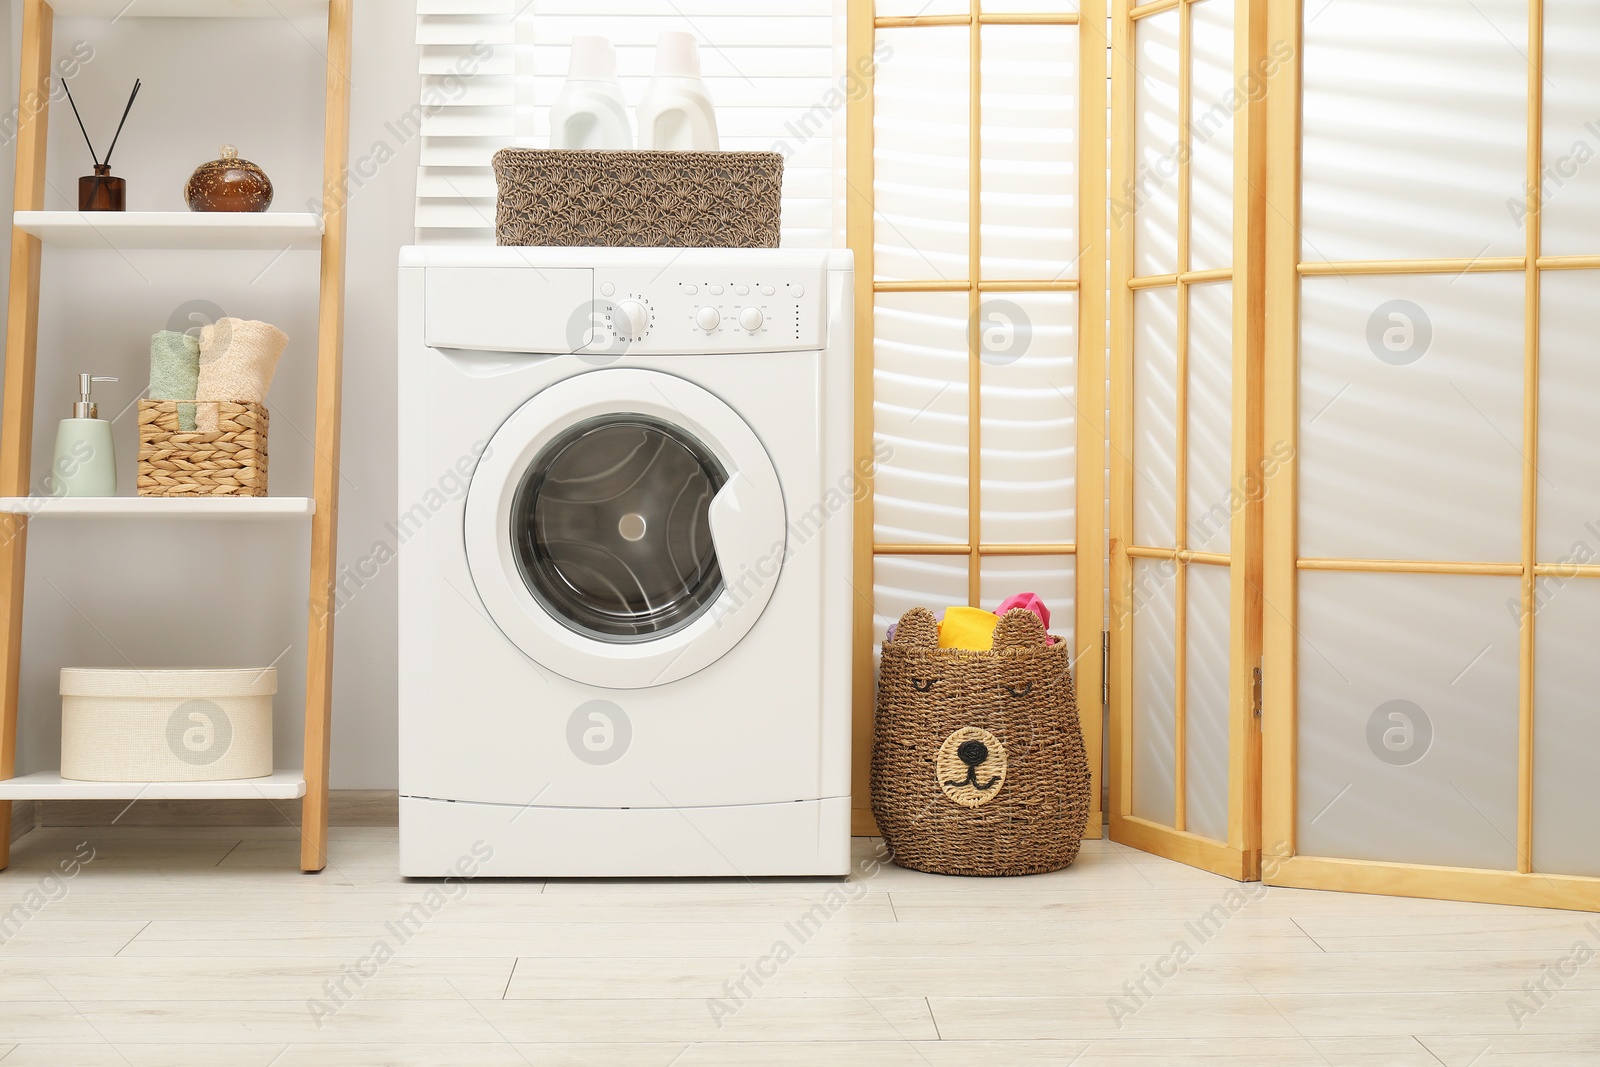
(237, 360)
(175, 372)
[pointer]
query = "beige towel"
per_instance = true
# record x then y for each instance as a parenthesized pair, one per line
(237, 360)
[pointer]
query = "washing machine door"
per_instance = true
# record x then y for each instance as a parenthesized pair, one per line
(625, 528)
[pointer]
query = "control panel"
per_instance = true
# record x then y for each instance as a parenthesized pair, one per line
(703, 311)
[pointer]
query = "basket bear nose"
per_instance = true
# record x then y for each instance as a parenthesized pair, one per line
(972, 753)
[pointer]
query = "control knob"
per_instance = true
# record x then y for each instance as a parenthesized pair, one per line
(751, 319)
(633, 318)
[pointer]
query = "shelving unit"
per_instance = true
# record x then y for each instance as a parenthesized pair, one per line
(49, 785)
(32, 229)
(172, 229)
(153, 507)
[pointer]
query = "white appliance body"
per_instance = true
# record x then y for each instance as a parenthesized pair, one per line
(626, 497)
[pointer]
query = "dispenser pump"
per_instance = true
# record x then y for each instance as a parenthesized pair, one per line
(84, 407)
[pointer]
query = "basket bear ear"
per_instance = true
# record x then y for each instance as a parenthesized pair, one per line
(1019, 628)
(917, 628)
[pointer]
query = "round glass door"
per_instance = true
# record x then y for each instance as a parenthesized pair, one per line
(611, 532)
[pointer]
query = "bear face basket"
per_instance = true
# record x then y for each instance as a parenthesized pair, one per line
(978, 764)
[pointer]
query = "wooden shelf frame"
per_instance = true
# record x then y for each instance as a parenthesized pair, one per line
(16, 433)
(1089, 286)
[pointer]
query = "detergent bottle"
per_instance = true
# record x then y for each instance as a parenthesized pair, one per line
(676, 112)
(591, 113)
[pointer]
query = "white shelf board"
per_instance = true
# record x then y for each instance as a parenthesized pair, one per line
(49, 785)
(174, 229)
(159, 507)
(260, 9)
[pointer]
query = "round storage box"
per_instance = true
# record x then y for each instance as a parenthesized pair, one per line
(166, 726)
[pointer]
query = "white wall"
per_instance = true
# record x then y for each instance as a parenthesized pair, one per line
(218, 594)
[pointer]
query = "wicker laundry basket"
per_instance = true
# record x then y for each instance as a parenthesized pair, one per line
(978, 764)
(230, 461)
(638, 199)
(165, 725)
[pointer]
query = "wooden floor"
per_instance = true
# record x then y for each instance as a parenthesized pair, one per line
(207, 946)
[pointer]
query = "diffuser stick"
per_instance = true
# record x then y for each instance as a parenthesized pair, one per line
(137, 82)
(79, 117)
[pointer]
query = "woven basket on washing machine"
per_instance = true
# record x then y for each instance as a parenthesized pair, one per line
(978, 764)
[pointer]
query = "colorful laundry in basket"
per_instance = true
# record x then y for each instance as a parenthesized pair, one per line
(973, 628)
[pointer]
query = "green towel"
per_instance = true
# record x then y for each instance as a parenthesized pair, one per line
(175, 372)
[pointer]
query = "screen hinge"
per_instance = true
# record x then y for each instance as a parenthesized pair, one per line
(1255, 689)
(1105, 670)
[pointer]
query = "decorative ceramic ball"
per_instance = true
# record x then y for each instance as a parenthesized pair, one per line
(229, 184)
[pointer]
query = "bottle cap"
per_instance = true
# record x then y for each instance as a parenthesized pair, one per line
(677, 55)
(593, 59)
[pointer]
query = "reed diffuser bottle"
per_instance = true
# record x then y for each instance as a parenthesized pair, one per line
(101, 191)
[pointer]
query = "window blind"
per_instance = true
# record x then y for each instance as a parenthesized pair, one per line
(492, 68)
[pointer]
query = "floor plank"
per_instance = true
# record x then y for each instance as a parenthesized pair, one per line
(174, 947)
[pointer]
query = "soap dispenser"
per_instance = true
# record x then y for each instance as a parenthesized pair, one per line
(86, 461)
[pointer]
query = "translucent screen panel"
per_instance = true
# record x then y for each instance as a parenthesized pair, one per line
(1408, 718)
(1411, 417)
(900, 583)
(1566, 723)
(1571, 212)
(1569, 429)
(1051, 578)
(1206, 702)
(903, 8)
(1030, 152)
(1155, 657)
(1212, 499)
(1029, 7)
(1215, 101)
(921, 182)
(1029, 418)
(1415, 129)
(1153, 202)
(920, 418)
(1155, 417)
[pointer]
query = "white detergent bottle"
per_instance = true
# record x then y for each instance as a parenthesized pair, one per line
(591, 113)
(676, 112)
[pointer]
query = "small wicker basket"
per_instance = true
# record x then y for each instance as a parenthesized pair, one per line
(978, 764)
(563, 197)
(229, 461)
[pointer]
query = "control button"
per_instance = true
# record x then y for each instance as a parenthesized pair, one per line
(741, 290)
(633, 318)
(714, 290)
(608, 289)
(708, 319)
(751, 319)
(691, 289)
(796, 290)
(767, 290)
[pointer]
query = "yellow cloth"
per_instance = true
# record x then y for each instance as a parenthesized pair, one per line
(971, 628)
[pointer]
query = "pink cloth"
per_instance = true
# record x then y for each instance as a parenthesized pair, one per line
(1030, 602)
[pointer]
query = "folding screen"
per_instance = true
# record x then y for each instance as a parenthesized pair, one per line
(1431, 711)
(976, 212)
(1187, 468)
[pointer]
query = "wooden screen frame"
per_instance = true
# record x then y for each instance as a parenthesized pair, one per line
(1089, 287)
(1283, 865)
(1239, 856)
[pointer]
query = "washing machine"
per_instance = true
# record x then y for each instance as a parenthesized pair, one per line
(624, 557)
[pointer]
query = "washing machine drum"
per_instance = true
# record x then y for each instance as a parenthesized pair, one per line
(625, 528)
